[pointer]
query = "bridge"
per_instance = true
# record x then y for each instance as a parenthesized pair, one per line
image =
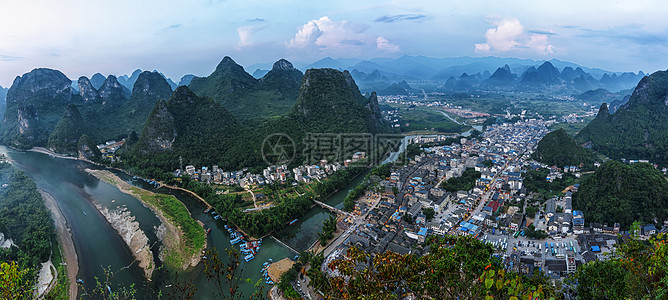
(334, 209)
(284, 244)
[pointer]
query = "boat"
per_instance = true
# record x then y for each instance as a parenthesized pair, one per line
(249, 257)
(293, 221)
(80, 281)
(218, 217)
(206, 211)
(208, 231)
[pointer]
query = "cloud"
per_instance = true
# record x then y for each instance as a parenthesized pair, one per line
(10, 57)
(246, 34)
(509, 35)
(543, 32)
(398, 18)
(384, 45)
(337, 38)
(352, 42)
(308, 34)
(633, 33)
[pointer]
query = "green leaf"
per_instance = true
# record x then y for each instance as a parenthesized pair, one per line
(489, 282)
(499, 284)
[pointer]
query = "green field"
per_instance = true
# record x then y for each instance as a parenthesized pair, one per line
(496, 104)
(573, 128)
(427, 120)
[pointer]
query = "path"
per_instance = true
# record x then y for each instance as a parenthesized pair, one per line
(65, 237)
(284, 244)
(160, 184)
(254, 199)
(451, 118)
(334, 209)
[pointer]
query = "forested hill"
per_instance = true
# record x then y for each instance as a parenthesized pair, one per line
(560, 149)
(249, 98)
(623, 193)
(203, 132)
(38, 100)
(638, 129)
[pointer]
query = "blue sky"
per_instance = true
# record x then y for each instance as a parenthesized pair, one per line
(180, 37)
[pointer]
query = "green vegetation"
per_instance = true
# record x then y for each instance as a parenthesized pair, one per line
(285, 284)
(285, 209)
(15, 282)
(218, 138)
(637, 130)
(25, 219)
(535, 181)
(328, 228)
(456, 267)
(65, 137)
(382, 171)
(43, 96)
(560, 149)
(414, 119)
(247, 97)
(572, 128)
(428, 213)
(623, 193)
(466, 182)
(60, 290)
(533, 233)
(637, 270)
(176, 212)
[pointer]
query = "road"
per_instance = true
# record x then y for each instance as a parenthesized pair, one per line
(360, 220)
(451, 118)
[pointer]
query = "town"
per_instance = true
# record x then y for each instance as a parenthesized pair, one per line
(408, 207)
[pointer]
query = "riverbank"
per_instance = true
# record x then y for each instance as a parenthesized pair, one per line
(182, 237)
(66, 241)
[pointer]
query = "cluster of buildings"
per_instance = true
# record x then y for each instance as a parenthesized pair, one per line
(270, 175)
(399, 223)
(492, 211)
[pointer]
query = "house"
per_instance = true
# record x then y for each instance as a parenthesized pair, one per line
(649, 229)
(516, 222)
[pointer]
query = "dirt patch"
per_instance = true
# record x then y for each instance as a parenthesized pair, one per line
(44, 278)
(65, 237)
(122, 220)
(277, 269)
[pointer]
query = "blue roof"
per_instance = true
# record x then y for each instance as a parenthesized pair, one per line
(649, 227)
(423, 231)
(595, 249)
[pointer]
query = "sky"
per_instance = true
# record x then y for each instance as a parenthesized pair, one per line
(82, 37)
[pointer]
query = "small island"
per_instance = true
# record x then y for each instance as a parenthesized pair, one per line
(183, 237)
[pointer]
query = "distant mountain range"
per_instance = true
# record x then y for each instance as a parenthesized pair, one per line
(452, 74)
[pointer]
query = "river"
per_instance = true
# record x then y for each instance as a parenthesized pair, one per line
(99, 246)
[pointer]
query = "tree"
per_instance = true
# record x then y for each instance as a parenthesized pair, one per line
(15, 283)
(637, 270)
(456, 268)
(428, 213)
